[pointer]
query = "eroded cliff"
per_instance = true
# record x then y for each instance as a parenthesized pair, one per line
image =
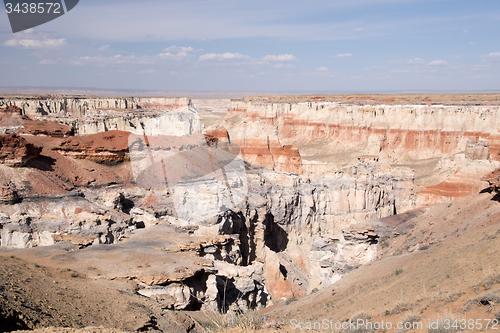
(271, 201)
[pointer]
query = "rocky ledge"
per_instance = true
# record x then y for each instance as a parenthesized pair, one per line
(15, 151)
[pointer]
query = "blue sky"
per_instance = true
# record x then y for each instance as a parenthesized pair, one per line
(273, 45)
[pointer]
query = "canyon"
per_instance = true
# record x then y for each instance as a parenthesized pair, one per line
(231, 205)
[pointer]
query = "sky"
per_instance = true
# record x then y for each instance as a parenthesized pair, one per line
(273, 45)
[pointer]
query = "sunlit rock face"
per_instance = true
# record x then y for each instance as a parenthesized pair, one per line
(15, 151)
(81, 106)
(399, 134)
(251, 207)
(418, 131)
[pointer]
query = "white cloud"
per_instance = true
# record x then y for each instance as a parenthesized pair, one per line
(175, 52)
(283, 66)
(147, 71)
(357, 77)
(103, 48)
(114, 60)
(178, 49)
(400, 71)
(438, 63)
(35, 43)
(494, 55)
(171, 56)
(223, 56)
(281, 57)
(27, 31)
(343, 55)
(322, 69)
(416, 61)
(465, 31)
(47, 62)
(358, 29)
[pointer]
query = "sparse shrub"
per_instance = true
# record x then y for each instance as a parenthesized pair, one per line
(453, 297)
(489, 236)
(362, 328)
(400, 307)
(328, 305)
(384, 241)
(36, 265)
(497, 315)
(490, 281)
(486, 300)
(413, 319)
(247, 322)
(290, 300)
(398, 271)
(315, 290)
(74, 275)
(12, 257)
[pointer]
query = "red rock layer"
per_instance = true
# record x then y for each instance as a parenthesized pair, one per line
(217, 135)
(16, 151)
(12, 118)
(47, 128)
(108, 147)
(346, 135)
(493, 178)
(271, 155)
(461, 184)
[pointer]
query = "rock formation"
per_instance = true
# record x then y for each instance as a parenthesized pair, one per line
(272, 201)
(15, 151)
(106, 147)
(493, 179)
(80, 106)
(321, 135)
(13, 121)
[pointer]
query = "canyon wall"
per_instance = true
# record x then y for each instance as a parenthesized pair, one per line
(413, 131)
(295, 215)
(314, 137)
(80, 106)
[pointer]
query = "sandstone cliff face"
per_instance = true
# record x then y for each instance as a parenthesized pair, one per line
(15, 151)
(493, 179)
(300, 227)
(419, 131)
(467, 179)
(279, 231)
(400, 133)
(13, 121)
(176, 122)
(108, 147)
(80, 106)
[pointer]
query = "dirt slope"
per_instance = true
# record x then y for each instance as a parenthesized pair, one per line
(36, 296)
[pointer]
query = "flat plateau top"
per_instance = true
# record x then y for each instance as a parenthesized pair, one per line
(355, 99)
(374, 99)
